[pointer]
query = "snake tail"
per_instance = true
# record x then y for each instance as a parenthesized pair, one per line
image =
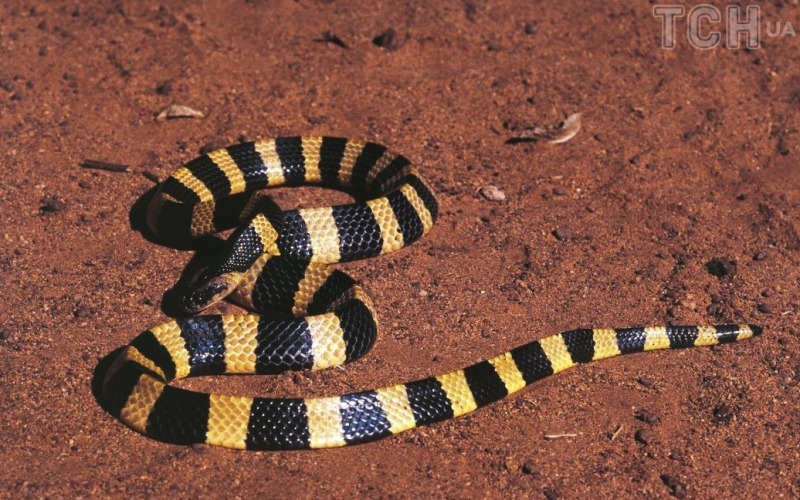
(137, 389)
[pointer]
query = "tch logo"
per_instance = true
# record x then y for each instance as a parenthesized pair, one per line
(704, 22)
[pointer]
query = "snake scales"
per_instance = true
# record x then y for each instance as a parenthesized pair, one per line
(276, 263)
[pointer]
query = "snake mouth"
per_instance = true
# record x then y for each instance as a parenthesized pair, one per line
(204, 292)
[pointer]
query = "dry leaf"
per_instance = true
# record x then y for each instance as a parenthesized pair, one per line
(178, 111)
(557, 134)
(568, 129)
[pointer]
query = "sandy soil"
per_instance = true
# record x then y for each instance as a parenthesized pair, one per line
(684, 156)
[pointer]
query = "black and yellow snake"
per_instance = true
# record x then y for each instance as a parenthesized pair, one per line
(277, 264)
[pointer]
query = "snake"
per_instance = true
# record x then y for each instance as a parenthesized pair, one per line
(309, 316)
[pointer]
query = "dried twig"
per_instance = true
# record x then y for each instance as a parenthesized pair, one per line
(330, 37)
(614, 435)
(559, 436)
(102, 165)
(151, 176)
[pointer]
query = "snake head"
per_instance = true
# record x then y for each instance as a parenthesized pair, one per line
(208, 289)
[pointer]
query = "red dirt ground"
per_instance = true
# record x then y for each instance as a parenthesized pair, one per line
(684, 156)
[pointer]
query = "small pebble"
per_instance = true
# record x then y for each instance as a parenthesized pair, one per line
(200, 449)
(492, 193)
(562, 233)
(299, 379)
(559, 192)
(678, 490)
(764, 308)
(771, 465)
(51, 204)
(722, 414)
(666, 226)
(672, 311)
(647, 417)
(643, 436)
(551, 494)
(5, 335)
(423, 293)
(531, 27)
(387, 40)
(760, 256)
(164, 88)
(720, 267)
(141, 259)
(647, 382)
(81, 312)
(529, 467)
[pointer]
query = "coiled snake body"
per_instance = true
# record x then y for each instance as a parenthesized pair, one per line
(276, 263)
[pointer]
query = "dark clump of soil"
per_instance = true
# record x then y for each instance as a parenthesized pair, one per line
(721, 267)
(389, 40)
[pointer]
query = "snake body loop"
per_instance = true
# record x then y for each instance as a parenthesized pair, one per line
(277, 263)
